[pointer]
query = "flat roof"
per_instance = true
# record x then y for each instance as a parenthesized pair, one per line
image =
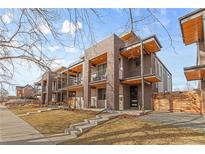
(145, 39)
(195, 72)
(150, 44)
(191, 26)
(192, 13)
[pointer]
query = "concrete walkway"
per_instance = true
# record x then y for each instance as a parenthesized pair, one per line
(14, 130)
(184, 120)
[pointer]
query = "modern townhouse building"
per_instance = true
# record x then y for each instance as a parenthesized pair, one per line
(192, 28)
(109, 75)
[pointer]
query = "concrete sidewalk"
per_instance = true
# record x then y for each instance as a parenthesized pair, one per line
(14, 130)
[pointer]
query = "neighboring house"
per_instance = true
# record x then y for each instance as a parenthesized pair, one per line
(24, 92)
(108, 75)
(193, 31)
(37, 90)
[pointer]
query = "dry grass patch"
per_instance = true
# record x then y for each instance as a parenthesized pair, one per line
(24, 109)
(54, 122)
(130, 130)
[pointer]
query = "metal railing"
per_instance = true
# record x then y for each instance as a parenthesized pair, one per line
(75, 81)
(64, 84)
(44, 88)
(98, 75)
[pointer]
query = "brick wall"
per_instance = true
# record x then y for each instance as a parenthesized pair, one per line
(183, 101)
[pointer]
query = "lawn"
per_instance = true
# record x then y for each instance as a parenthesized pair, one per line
(24, 109)
(54, 122)
(130, 130)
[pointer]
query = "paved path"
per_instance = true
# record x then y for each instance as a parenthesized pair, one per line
(14, 130)
(185, 120)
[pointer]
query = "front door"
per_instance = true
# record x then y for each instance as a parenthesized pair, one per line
(133, 96)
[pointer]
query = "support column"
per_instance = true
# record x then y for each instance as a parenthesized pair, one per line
(87, 88)
(112, 86)
(142, 74)
(201, 60)
(61, 92)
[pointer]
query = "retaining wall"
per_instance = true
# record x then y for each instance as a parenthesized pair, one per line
(179, 101)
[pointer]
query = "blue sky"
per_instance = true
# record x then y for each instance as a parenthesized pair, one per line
(114, 21)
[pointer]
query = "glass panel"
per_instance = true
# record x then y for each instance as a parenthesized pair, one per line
(101, 94)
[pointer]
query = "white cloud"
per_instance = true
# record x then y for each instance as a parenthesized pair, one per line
(54, 48)
(43, 27)
(7, 18)
(59, 62)
(71, 49)
(70, 27)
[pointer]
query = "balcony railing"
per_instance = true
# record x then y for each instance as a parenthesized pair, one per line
(44, 88)
(64, 84)
(75, 81)
(98, 75)
(37, 91)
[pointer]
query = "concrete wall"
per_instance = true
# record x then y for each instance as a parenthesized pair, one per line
(183, 101)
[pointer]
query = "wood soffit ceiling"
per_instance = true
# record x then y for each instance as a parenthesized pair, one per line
(192, 30)
(195, 74)
(99, 59)
(149, 46)
(137, 80)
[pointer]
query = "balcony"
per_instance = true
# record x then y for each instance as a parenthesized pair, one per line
(64, 85)
(150, 45)
(153, 71)
(37, 92)
(98, 75)
(75, 81)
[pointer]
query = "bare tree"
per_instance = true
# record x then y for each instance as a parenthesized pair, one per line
(32, 30)
(150, 18)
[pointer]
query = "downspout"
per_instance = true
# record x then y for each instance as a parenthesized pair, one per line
(198, 63)
(142, 74)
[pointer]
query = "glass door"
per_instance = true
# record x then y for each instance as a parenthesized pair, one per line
(133, 96)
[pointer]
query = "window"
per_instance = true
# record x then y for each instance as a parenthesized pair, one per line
(102, 69)
(137, 62)
(101, 94)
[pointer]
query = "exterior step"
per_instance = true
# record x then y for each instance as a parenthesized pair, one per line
(75, 132)
(85, 128)
(73, 126)
(79, 128)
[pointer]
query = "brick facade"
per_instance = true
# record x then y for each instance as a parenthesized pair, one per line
(24, 92)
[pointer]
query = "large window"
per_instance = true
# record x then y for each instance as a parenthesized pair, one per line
(102, 69)
(101, 94)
